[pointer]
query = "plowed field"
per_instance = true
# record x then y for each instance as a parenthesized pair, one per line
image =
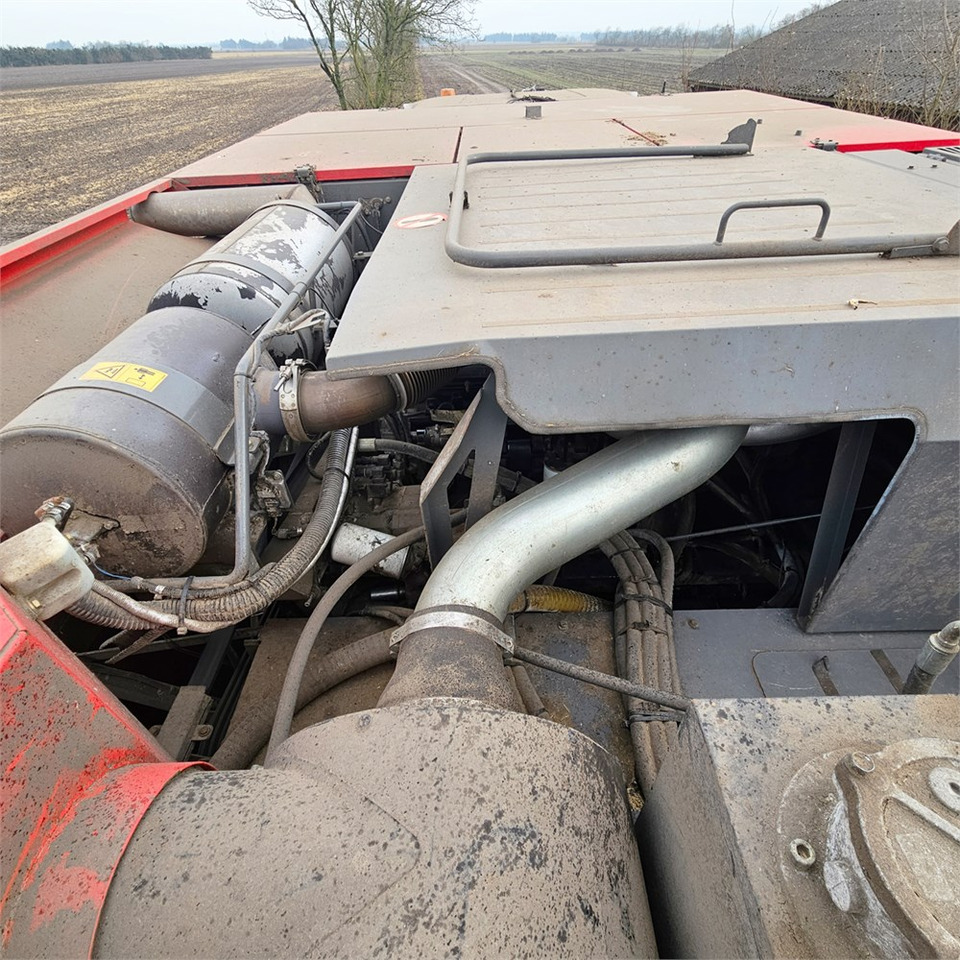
(480, 69)
(71, 142)
(76, 136)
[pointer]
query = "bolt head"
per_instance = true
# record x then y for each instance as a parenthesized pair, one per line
(945, 785)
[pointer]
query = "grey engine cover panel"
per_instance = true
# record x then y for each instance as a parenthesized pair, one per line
(671, 344)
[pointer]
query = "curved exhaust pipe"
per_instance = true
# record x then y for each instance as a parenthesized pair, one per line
(469, 593)
(211, 212)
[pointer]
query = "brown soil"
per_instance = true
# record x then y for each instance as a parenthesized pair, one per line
(69, 147)
(77, 136)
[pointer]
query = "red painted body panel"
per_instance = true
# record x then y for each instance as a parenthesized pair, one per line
(909, 146)
(79, 772)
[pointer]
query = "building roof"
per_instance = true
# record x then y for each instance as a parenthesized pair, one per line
(890, 53)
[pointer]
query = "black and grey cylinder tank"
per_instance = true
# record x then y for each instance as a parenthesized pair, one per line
(138, 435)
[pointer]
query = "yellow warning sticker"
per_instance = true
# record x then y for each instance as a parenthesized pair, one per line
(129, 374)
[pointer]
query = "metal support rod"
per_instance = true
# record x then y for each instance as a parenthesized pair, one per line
(932, 244)
(208, 666)
(850, 460)
(480, 432)
(640, 691)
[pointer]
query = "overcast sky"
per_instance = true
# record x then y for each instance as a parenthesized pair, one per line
(37, 22)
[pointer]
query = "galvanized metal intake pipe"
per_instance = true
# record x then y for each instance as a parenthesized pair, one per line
(574, 511)
(443, 652)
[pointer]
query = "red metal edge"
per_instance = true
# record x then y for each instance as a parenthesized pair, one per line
(79, 774)
(908, 146)
(37, 248)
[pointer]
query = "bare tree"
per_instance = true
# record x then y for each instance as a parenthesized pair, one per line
(936, 44)
(368, 48)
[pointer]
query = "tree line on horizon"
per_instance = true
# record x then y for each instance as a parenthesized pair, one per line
(62, 53)
(721, 36)
(287, 43)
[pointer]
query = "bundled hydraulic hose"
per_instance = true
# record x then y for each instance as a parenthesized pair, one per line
(109, 607)
(645, 651)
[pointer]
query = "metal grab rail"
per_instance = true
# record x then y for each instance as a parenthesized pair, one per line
(908, 245)
(770, 204)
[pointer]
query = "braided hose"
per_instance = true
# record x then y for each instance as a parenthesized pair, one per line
(109, 607)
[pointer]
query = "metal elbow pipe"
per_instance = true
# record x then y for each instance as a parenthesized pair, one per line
(572, 512)
(310, 403)
(321, 404)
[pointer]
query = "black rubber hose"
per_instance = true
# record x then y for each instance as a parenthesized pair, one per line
(246, 738)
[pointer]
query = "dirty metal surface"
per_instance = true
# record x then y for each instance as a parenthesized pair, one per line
(883, 828)
(764, 653)
(584, 639)
(556, 130)
(452, 810)
(921, 589)
(687, 114)
(79, 772)
(375, 150)
(488, 120)
(717, 833)
(922, 166)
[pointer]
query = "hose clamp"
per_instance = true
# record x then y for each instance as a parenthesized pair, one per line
(288, 392)
(400, 389)
(431, 619)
